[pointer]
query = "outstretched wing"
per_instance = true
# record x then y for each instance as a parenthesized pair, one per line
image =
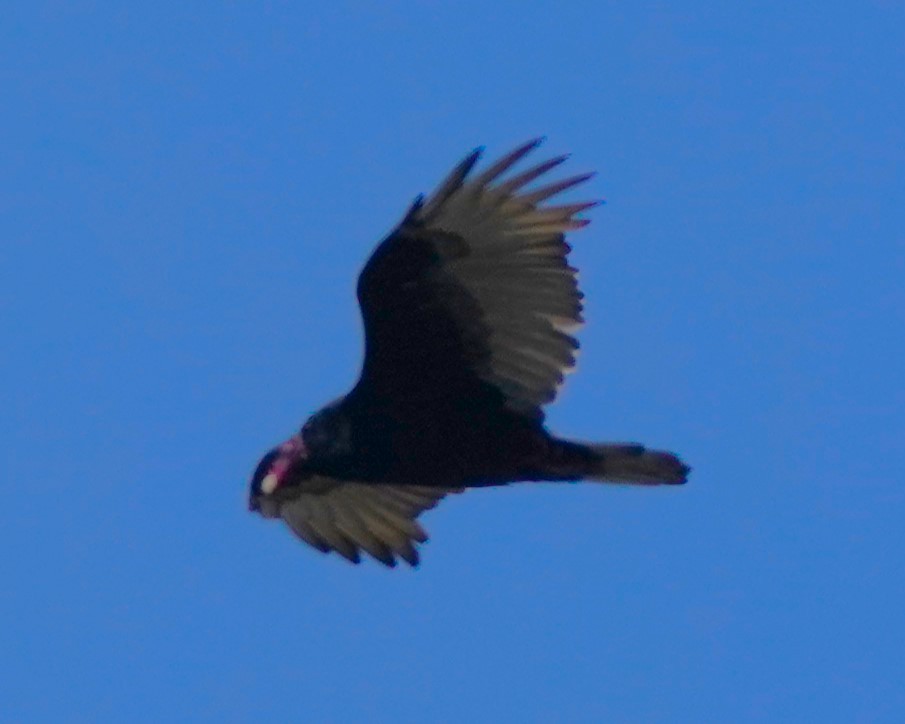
(472, 295)
(350, 517)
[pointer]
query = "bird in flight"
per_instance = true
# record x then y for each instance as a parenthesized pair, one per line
(469, 307)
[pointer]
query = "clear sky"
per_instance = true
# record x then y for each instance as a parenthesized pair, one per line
(187, 194)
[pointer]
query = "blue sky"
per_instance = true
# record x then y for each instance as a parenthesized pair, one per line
(187, 193)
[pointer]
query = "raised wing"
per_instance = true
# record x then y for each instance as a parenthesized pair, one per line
(350, 517)
(472, 295)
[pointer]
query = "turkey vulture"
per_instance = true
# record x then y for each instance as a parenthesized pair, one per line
(469, 310)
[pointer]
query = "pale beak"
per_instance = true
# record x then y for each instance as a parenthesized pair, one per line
(269, 483)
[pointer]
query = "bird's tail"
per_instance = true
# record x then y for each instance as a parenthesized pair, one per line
(626, 463)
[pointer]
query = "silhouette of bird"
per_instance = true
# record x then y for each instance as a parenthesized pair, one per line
(469, 307)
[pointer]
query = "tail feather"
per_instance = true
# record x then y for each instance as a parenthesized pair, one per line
(635, 464)
(627, 463)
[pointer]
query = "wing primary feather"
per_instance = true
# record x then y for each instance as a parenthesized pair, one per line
(357, 531)
(323, 521)
(545, 231)
(516, 182)
(554, 213)
(417, 203)
(396, 519)
(304, 531)
(545, 192)
(396, 539)
(505, 163)
(449, 185)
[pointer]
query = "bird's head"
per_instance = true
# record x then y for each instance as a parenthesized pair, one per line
(274, 475)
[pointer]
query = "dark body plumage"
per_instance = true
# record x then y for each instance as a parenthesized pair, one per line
(468, 308)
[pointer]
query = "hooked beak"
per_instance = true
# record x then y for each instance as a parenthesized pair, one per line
(270, 483)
